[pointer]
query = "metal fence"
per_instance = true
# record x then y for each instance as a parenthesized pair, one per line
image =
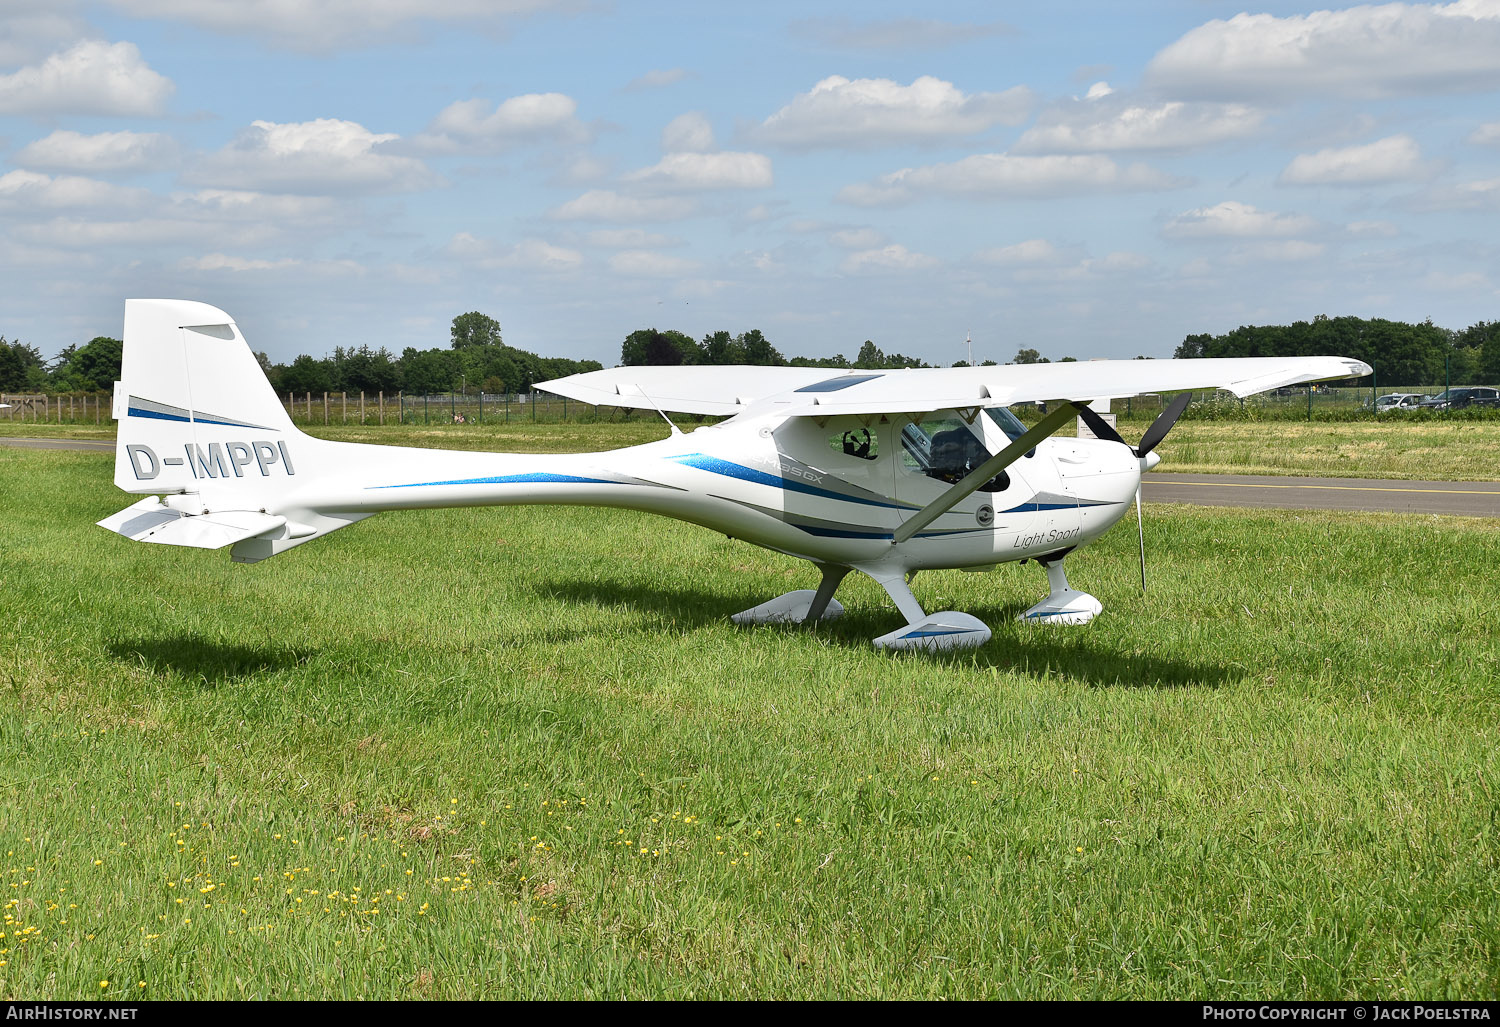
(1288, 403)
(329, 408)
(61, 408)
(359, 408)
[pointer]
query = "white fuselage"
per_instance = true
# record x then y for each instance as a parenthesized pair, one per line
(782, 483)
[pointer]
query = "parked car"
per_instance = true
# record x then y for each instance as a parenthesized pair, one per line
(1458, 399)
(1398, 401)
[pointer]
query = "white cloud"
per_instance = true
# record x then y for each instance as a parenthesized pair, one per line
(1121, 263)
(1482, 194)
(1234, 220)
(894, 257)
(761, 213)
(1283, 251)
(575, 169)
(539, 255)
(316, 25)
(1364, 51)
(472, 124)
(608, 205)
(696, 171)
(689, 132)
(1098, 91)
(895, 33)
(90, 77)
(102, 152)
(31, 29)
(78, 233)
(28, 192)
(1002, 175)
(647, 264)
(214, 216)
(1394, 159)
(1462, 281)
(1371, 230)
(1032, 251)
(630, 239)
(526, 255)
(656, 79)
(311, 157)
(1487, 134)
(857, 239)
(225, 262)
(1103, 124)
(232, 205)
(867, 112)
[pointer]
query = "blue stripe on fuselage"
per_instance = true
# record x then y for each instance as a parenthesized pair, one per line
(532, 478)
(715, 465)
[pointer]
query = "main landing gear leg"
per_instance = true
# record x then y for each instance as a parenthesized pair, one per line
(946, 630)
(801, 606)
(1064, 605)
(824, 606)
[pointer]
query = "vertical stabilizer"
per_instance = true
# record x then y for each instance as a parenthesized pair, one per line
(196, 412)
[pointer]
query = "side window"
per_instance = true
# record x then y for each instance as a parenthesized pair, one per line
(946, 449)
(857, 442)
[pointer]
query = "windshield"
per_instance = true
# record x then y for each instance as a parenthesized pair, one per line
(1006, 421)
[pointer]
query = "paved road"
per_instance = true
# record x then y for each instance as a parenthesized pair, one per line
(1461, 498)
(86, 445)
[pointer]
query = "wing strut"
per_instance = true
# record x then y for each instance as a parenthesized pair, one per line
(970, 482)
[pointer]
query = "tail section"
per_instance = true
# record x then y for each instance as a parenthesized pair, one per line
(200, 424)
(195, 410)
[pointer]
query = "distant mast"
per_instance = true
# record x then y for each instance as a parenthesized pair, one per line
(969, 341)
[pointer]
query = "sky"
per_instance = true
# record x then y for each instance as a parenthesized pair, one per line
(1087, 179)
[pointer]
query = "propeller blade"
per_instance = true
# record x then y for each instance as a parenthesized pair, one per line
(1163, 424)
(1140, 526)
(1099, 426)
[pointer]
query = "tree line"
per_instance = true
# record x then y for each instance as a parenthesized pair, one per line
(649, 346)
(477, 357)
(1400, 353)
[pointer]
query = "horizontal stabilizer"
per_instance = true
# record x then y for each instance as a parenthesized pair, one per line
(151, 520)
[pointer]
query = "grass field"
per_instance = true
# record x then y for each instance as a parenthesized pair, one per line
(1414, 450)
(521, 752)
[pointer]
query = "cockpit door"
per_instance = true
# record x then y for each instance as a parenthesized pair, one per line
(932, 454)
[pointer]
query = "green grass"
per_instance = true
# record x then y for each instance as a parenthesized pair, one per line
(1429, 450)
(533, 736)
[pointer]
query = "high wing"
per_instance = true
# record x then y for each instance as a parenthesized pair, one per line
(823, 392)
(715, 389)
